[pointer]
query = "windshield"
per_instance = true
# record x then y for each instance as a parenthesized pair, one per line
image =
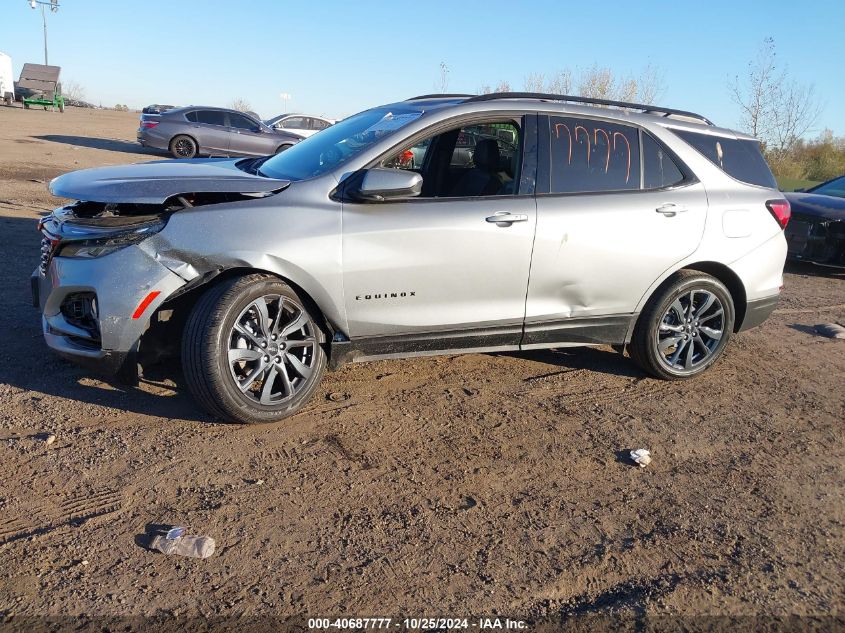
(337, 144)
(833, 188)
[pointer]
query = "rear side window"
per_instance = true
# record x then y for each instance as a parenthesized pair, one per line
(739, 159)
(659, 170)
(317, 124)
(192, 117)
(211, 117)
(593, 156)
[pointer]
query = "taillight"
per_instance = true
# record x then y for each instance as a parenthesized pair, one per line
(148, 124)
(780, 211)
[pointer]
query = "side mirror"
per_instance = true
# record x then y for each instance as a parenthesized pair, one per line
(381, 185)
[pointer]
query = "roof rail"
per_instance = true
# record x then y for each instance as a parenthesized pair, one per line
(439, 96)
(648, 109)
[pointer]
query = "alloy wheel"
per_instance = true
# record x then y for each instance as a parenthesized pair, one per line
(690, 331)
(272, 350)
(184, 147)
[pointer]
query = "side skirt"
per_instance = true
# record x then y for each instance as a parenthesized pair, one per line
(575, 332)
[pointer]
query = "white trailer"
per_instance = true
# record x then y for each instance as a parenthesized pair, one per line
(7, 81)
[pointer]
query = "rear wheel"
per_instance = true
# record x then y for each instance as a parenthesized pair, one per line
(183, 147)
(252, 351)
(685, 326)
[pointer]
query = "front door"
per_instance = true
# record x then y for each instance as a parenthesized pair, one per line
(247, 137)
(449, 269)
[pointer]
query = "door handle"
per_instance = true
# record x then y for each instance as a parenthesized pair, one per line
(503, 218)
(671, 209)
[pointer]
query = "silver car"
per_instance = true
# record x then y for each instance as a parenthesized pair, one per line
(645, 228)
(202, 131)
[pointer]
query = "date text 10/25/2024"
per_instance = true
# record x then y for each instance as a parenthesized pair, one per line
(495, 623)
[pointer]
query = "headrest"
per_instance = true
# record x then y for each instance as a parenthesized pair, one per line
(486, 155)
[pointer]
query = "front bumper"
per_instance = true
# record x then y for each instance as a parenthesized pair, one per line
(816, 240)
(106, 337)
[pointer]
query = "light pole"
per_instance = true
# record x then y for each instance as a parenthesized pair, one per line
(284, 96)
(54, 7)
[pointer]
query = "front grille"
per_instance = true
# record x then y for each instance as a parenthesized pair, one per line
(46, 255)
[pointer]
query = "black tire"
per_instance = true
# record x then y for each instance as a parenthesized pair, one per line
(282, 148)
(183, 146)
(673, 343)
(218, 384)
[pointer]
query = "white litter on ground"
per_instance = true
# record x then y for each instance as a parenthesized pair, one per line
(642, 456)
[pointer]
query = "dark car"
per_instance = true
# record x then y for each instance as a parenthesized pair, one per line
(816, 232)
(203, 131)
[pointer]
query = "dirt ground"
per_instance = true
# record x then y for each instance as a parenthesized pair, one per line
(457, 485)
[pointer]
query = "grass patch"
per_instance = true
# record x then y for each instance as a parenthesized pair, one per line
(791, 184)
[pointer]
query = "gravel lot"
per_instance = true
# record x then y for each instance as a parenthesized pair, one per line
(458, 485)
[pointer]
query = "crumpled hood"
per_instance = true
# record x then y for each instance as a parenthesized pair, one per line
(813, 204)
(155, 182)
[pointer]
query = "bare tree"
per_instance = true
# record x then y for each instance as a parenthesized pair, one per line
(602, 83)
(241, 105)
(534, 82)
(444, 77)
(73, 91)
(485, 89)
(503, 86)
(597, 83)
(649, 85)
(561, 82)
(773, 107)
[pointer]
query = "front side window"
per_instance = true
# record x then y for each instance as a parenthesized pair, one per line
(319, 124)
(211, 117)
(241, 122)
(295, 123)
(593, 156)
(464, 162)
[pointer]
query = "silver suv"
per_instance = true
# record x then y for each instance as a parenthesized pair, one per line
(438, 225)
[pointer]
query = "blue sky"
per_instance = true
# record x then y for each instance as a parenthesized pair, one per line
(338, 57)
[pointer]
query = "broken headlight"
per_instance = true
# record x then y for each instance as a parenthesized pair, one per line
(99, 243)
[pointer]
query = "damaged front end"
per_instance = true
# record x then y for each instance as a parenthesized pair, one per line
(98, 283)
(816, 230)
(816, 240)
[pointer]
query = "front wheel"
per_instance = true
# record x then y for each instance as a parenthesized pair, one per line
(684, 327)
(282, 148)
(252, 351)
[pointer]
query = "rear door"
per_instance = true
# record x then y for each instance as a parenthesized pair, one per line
(614, 211)
(248, 137)
(438, 271)
(210, 129)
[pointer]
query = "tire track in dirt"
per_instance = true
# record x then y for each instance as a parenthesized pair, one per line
(42, 516)
(617, 579)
